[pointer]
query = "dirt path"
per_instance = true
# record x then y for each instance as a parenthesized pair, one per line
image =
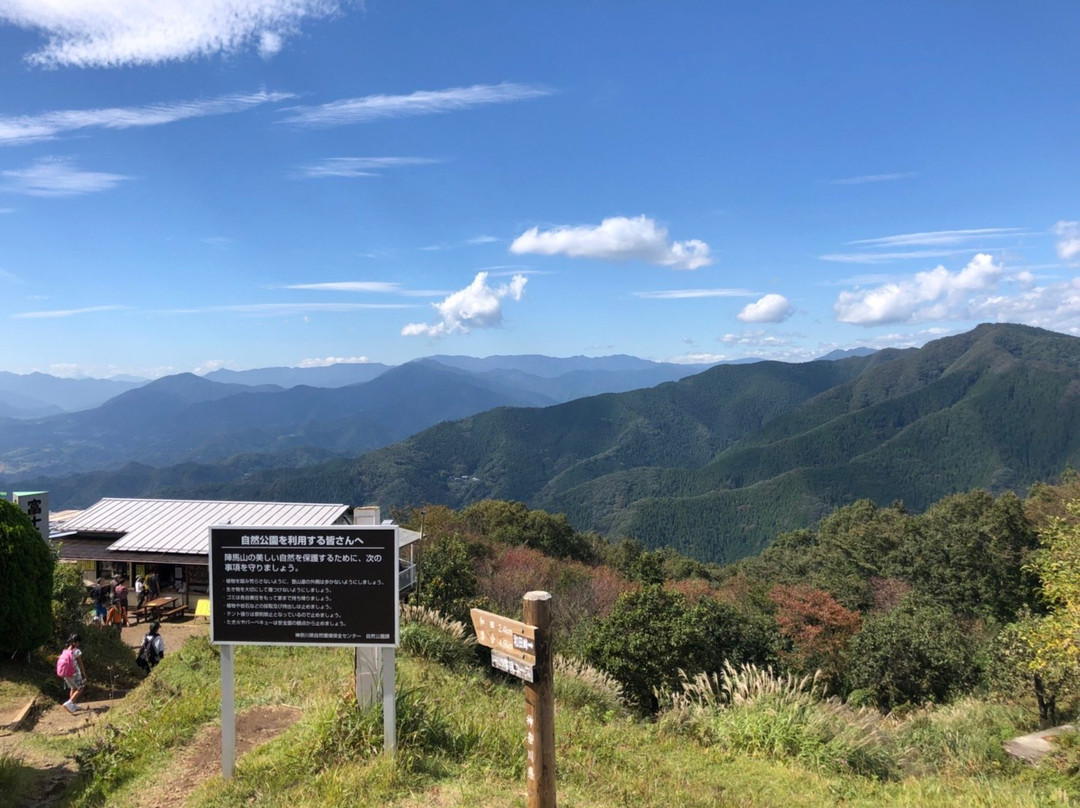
(52, 771)
(201, 759)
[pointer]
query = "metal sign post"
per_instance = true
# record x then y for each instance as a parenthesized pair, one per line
(331, 585)
(523, 649)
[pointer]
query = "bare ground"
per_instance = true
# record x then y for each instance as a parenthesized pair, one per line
(198, 761)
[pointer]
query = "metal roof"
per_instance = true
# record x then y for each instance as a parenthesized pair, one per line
(181, 526)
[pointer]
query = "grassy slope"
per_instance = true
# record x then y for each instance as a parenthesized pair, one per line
(461, 737)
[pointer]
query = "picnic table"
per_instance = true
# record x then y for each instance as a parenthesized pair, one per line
(160, 608)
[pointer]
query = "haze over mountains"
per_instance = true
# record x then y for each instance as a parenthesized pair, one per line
(342, 408)
(715, 464)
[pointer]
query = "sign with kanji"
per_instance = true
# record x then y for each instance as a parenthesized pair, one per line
(512, 638)
(335, 585)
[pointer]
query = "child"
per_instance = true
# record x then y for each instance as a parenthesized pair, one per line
(152, 649)
(73, 673)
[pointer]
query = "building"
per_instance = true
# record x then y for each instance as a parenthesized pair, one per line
(133, 537)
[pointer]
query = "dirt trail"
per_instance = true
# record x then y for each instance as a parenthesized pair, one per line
(196, 762)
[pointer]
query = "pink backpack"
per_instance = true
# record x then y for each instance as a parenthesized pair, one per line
(65, 664)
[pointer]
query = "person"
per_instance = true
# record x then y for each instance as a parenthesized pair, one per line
(154, 585)
(120, 598)
(140, 592)
(72, 671)
(100, 595)
(115, 615)
(152, 649)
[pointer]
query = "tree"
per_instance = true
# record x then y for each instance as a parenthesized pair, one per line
(818, 628)
(968, 552)
(1054, 639)
(653, 633)
(917, 652)
(26, 570)
(447, 578)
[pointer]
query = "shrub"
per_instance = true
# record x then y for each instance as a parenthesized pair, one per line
(26, 570)
(914, 654)
(428, 634)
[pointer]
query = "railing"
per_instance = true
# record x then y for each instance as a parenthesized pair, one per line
(406, 577)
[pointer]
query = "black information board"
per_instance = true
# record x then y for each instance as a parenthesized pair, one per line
(304, 585)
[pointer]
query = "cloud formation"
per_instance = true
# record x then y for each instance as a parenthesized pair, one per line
(19, 129)
(478, 305)
(333, 360)
(114, 33)
(1068, 246)
(865, 178)
(616, 239)
(358, 166)
(769, 309)
(934, 294)
(59, 313)
(424, 102)
(692, 294)
(55, 177)
(937, 237)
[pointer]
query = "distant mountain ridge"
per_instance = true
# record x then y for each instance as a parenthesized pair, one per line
(719, 463)
(187, 418)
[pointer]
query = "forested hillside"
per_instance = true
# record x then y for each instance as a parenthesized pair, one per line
(717, 464)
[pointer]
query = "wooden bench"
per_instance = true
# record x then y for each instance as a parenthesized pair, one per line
(139, 614)
(170, 613)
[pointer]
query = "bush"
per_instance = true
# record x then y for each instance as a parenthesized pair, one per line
(26, 570)
(68, 602)
(429, 635)
(916, 653)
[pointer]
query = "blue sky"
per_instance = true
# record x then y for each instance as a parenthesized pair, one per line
(244, 183)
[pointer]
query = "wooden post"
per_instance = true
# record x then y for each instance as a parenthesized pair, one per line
(540, 706)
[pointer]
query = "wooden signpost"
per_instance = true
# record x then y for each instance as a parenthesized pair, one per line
(523, 649)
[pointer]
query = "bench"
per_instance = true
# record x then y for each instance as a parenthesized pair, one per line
(139, 614)
(170, 613)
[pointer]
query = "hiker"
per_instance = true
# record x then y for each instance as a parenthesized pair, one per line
(69, 667)
(152, 649)
(120, 598)
(115, 615)
(153, 585)
(100, 595)
(140, 592)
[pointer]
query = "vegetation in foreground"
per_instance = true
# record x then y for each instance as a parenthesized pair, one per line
(746, 737)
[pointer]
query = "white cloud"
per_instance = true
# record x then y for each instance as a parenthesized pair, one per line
(697, 359)
(769, 309)
(481, 240)
(333, 360)
(210, 365)
(885, 257)
(865, 178)
(616, 239)
(19, 129)
(476, 306)
(358, 166)
(934, 294)
(423, 102)
(50, 315)
(57, 176)
(380, 287)
(113, 33)
(290, 309)
(755, 339)
(1068, 247)
(690, 294)
(937, 237)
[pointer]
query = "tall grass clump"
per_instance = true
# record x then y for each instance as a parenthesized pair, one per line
(580, 686)
(963, 738)
(428, 634)
(754, 711)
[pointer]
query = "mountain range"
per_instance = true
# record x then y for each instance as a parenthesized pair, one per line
(718, 464)
(715, 464)
(341, 409)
